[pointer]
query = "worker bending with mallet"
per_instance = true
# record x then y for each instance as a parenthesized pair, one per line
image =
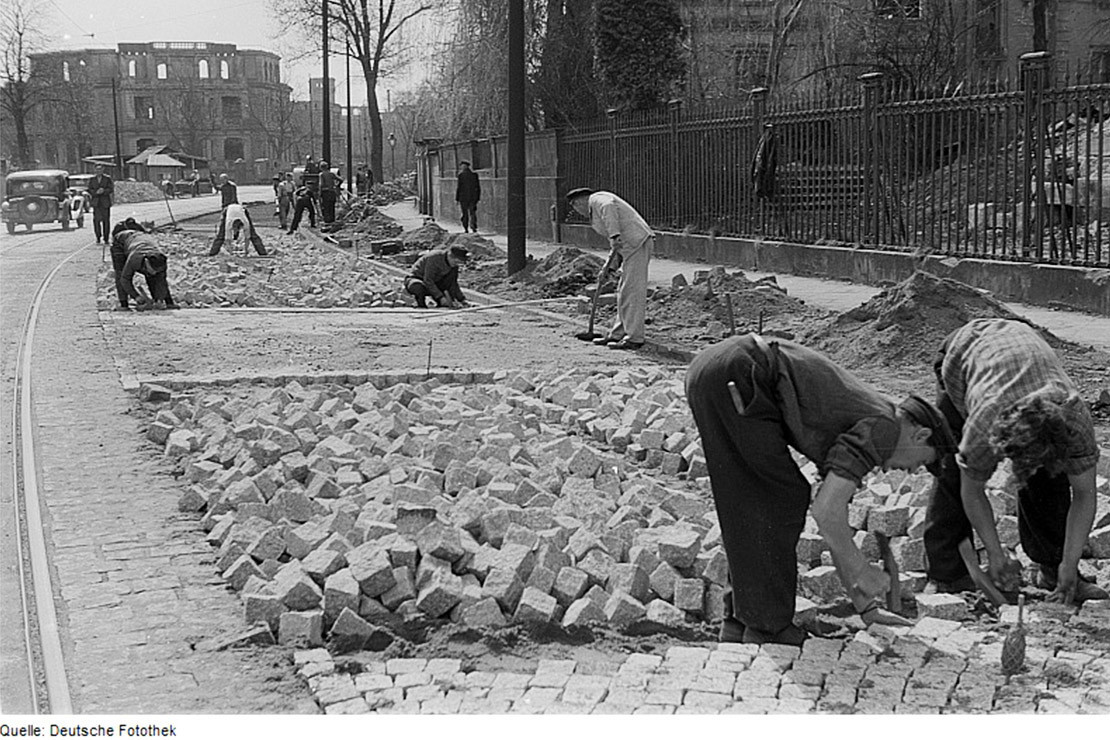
(752, 399)
(136, 252)
(1006, 395)
(436, 275)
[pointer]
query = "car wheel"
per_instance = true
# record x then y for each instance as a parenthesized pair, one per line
(30, 227)
(65, 224)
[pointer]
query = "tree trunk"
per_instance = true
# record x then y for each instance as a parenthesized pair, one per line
(375, 114)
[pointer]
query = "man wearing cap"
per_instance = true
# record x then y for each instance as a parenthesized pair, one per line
(229, 191)
(436, 274)
(631, 242)
(468, 191)
(754, 398)
(1006, 395)
(329, 192)
(134, 251)
(100, 190)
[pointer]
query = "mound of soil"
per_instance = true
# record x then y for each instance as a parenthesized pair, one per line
(907, 323)
(428, 236)
(567, 271)
(479, 247)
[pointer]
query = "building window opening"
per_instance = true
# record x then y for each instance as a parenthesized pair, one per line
(232, 109)
(233, 149)
(225, 70)
(202, 69)
(163, 71)
(132, 68)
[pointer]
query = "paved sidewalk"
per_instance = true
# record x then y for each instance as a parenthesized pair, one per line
(834, 295)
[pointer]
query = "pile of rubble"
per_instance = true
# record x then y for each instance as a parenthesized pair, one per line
(298, 273)
(362, 218)
(357, 512)
(135, 192)
(384, 193)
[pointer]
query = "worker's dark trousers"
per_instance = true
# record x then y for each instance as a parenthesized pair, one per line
(303, 204)
(159, 287)
(448, 284)
(101, 216)
(221, 235)
(284, 205)
(327, 205)
(760, 493)
(157, 284)
(469, 216)
(119, 259)
(1043, 504)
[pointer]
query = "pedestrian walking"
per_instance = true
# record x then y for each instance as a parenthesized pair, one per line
(1006, 395)
(436, 275)
(236, 220)
(285, 190)
(468, 191)
(631, 243)
(752, 400)
(329, 192)
(304, 199)
(229, 191)
(167, 186)
(194, 183)
(101, 188)
(135, 252)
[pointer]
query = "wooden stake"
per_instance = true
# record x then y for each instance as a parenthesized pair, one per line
(428, 373)
(731, 316)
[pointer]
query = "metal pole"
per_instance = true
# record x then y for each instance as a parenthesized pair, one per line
(120, 173)
(325, 152)
(350, 147)
(517, 225)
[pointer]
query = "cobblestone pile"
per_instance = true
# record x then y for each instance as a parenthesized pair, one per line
(571, 499)
(298, 274)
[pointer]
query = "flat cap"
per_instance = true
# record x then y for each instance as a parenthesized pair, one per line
(577, 192)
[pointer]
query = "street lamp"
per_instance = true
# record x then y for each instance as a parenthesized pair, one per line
(392, 156)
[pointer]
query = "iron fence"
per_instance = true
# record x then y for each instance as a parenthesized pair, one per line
(1007, 170)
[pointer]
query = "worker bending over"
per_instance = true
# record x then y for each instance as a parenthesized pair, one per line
(135, 251)
(436, 275)
(236, 219)
(1006, 395)
(786, 395)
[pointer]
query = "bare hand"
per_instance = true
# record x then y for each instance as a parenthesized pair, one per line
(868, 584)
(1067, 583)
(447, 302)
(1005, 572)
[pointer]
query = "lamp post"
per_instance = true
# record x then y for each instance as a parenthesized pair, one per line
(392, 156)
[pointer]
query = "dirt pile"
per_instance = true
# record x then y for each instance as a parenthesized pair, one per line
(699, 312)
(567, 271)
(385, 193)
(364, 219)
(135, 192)
(428, 236)
(907, 323)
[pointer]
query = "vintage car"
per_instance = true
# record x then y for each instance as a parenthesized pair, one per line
(40, 197)
(80, 184)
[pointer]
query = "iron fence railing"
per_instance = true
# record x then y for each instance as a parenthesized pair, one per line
(999, 170)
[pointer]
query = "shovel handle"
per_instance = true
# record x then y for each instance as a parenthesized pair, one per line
(894, 595)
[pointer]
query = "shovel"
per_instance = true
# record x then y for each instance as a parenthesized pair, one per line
(589, 335)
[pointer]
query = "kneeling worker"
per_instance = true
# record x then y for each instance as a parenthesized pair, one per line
(436, 274)
(754, 398)
(135, 251)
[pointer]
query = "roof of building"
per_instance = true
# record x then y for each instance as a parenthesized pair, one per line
(163, 160)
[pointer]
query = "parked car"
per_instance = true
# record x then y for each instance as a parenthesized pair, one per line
(80, 183)
(40, 197)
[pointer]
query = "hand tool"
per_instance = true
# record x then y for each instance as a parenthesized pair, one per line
(731, 315)
(1013, 647)
(982, 582)
(894, 595)
(737, 402)
(589, 335)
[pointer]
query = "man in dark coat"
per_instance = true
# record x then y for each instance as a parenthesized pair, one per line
(436, 274)
(329, 192)
(136, 252)
(304, 199)
(468, 191)
(753, 399)
(100, 190)
(229, 191)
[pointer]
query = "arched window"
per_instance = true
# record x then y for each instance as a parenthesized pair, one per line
(65, 71)
(225, 70)
(131, 68)
(163, 71)
(202, 69)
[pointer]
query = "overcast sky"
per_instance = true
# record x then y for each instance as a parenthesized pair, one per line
(245, 23)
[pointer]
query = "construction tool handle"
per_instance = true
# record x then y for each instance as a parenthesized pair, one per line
(894, 595)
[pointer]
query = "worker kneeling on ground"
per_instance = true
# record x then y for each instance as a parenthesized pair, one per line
(436, 275)
(236, 219)
(753, 398)
(135, 251)
(1006, 395)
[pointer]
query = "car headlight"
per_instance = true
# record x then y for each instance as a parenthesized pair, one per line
(5, 206)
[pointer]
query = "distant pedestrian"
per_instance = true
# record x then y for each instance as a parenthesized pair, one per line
(468, 191)
(167, 186)
(195, 183)
(631, 243)
(100, 191)
(236, 220)
(285, 190)
(229, 191)
(436, 274)
(304, 199)
(329, 192)
(136, 252)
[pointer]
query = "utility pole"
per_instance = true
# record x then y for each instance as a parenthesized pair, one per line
(516, 176)
(326, 149)
(120, 172)
(350, 144)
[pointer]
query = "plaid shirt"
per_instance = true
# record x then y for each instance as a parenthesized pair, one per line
(989, 365)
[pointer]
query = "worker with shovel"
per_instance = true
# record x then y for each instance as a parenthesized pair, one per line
(1006, 395)
(752, 400)
(436, 275)
(631, 242)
